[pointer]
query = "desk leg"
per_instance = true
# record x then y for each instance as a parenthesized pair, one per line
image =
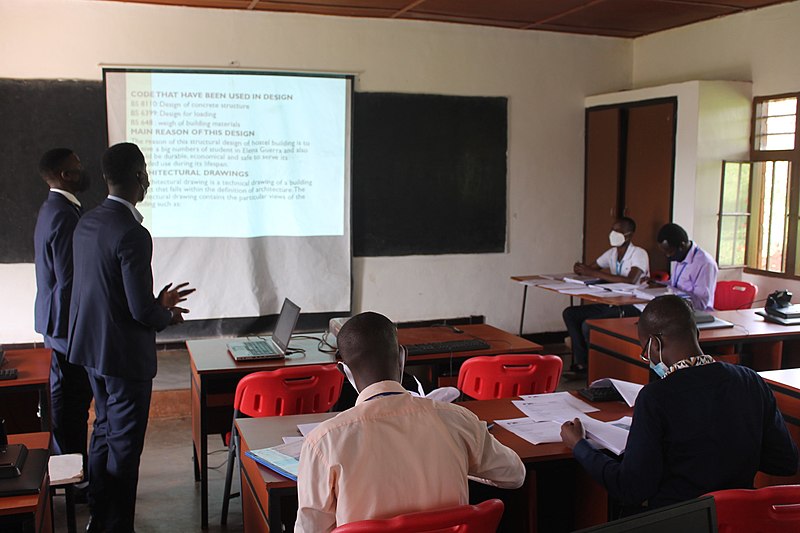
(522, 313)
(203, 452)
(44, 405)
(767, 355)
(274, 510)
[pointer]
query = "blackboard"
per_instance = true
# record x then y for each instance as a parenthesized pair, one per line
(429, 171)
(429, 174)
(36, 116)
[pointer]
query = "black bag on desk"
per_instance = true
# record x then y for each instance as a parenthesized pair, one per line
(30, 480)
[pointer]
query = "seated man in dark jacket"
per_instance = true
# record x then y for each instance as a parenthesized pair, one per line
(704, 426)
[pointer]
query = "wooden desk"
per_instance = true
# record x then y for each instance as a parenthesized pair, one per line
(33, 380)
(557, 486)
(614, 344)
(31, 513)
(215, 375)
(785, 385)
(618, 300)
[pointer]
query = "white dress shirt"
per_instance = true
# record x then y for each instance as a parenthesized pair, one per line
(633, 257)
(393, 453)
(135, 212)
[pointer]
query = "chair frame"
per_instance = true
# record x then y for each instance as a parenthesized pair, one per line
(286, 376)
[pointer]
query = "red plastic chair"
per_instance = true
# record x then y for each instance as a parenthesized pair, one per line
(481, 518)
(659, 275)
(767, 510)
(505, 376)
(288, 391)
(732, 295)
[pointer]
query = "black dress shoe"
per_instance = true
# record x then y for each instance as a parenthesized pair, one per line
(95, 526)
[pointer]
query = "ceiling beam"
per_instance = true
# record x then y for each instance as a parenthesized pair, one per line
(560, 15)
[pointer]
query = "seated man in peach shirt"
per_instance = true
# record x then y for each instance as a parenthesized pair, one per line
(393, 453)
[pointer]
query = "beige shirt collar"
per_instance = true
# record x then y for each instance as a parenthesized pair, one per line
(380, 387)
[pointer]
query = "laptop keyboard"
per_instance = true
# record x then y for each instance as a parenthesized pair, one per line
(447, 347)
(259, 348)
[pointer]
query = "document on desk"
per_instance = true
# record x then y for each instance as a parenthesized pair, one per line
(283, 459)
(629, 391)
(532, 431)
(553, 406)
(561, 285)
(613, 436)
(305, 429)
(585, 289)
(536, 281)
(624, 288)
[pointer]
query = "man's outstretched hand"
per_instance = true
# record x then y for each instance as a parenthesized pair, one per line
(171, 297)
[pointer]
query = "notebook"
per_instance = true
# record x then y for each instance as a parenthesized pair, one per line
(276, 346)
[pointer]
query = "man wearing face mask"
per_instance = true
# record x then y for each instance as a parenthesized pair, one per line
(622, 263)
(393, 453)
(70, 394)
(703, 426)
(693, 271)
(113, 321)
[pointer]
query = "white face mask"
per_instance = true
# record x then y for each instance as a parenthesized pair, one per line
(616, 238)
(348, 374)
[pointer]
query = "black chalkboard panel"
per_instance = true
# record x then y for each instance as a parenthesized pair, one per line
(429, 174)
(35, 116)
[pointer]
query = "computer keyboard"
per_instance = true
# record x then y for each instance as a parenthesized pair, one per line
(259, 348)
(465, 345)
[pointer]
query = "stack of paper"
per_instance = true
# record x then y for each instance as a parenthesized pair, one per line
(554, 406)
(624, 288)
(613, 436)
(283, 459)
(577, 278)
(532, 431)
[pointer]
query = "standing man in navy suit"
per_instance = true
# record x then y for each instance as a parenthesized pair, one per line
(52, 240)
(113, 322)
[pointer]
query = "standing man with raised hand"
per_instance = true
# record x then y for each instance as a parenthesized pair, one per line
(113, 320)
(70, 393)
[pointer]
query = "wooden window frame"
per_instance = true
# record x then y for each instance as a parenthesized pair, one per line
(793, 156)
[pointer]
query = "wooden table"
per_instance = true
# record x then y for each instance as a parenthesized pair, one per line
(31, 513)
(785, 385)
(556, 487)
(617, 300)
(215, 375)
(18, 397)
(614, 348)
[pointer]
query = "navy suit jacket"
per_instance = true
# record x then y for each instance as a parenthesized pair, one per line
(52, 243)
(114, 316)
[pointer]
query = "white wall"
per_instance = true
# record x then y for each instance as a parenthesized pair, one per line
(713, 124)
(758, 46)
(546, 77)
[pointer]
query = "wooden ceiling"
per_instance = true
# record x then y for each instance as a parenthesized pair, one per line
(615, 18)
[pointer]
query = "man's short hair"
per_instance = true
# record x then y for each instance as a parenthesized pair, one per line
(629, 224)
(668, 315)
(120, 163)
(52, 162)
(367, 335)
(673, 234)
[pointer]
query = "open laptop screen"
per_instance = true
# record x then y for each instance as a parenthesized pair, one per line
(286, 323)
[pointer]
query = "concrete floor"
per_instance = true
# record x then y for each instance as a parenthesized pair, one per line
(169, 499)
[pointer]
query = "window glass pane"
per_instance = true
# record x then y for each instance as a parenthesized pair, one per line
(774, 211)
(733, 240)
(742, 203)
(775, 124)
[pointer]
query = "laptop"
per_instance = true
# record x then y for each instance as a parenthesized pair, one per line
(276, 346)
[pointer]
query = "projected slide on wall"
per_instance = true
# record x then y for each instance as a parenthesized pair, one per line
(250, 181)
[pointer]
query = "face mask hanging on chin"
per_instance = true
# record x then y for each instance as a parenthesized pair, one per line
(616, 238)
(660, 368)
(348, 374)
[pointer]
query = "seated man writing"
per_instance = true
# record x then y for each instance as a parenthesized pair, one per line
(693, 271)
(622, 263)
(393, 453)
(704, 426)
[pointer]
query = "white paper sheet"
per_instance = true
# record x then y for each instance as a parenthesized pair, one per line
(587, 289)
(531, 431)
(291, 440)
(305, 429)
(553, 406)
(612, 436)
(629, 391)
(561, 285)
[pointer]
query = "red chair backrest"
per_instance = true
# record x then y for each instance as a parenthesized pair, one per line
(659, 275)
(289, 391)
(768, 510)
(481, 518)
(732, 294)
(504, 376)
